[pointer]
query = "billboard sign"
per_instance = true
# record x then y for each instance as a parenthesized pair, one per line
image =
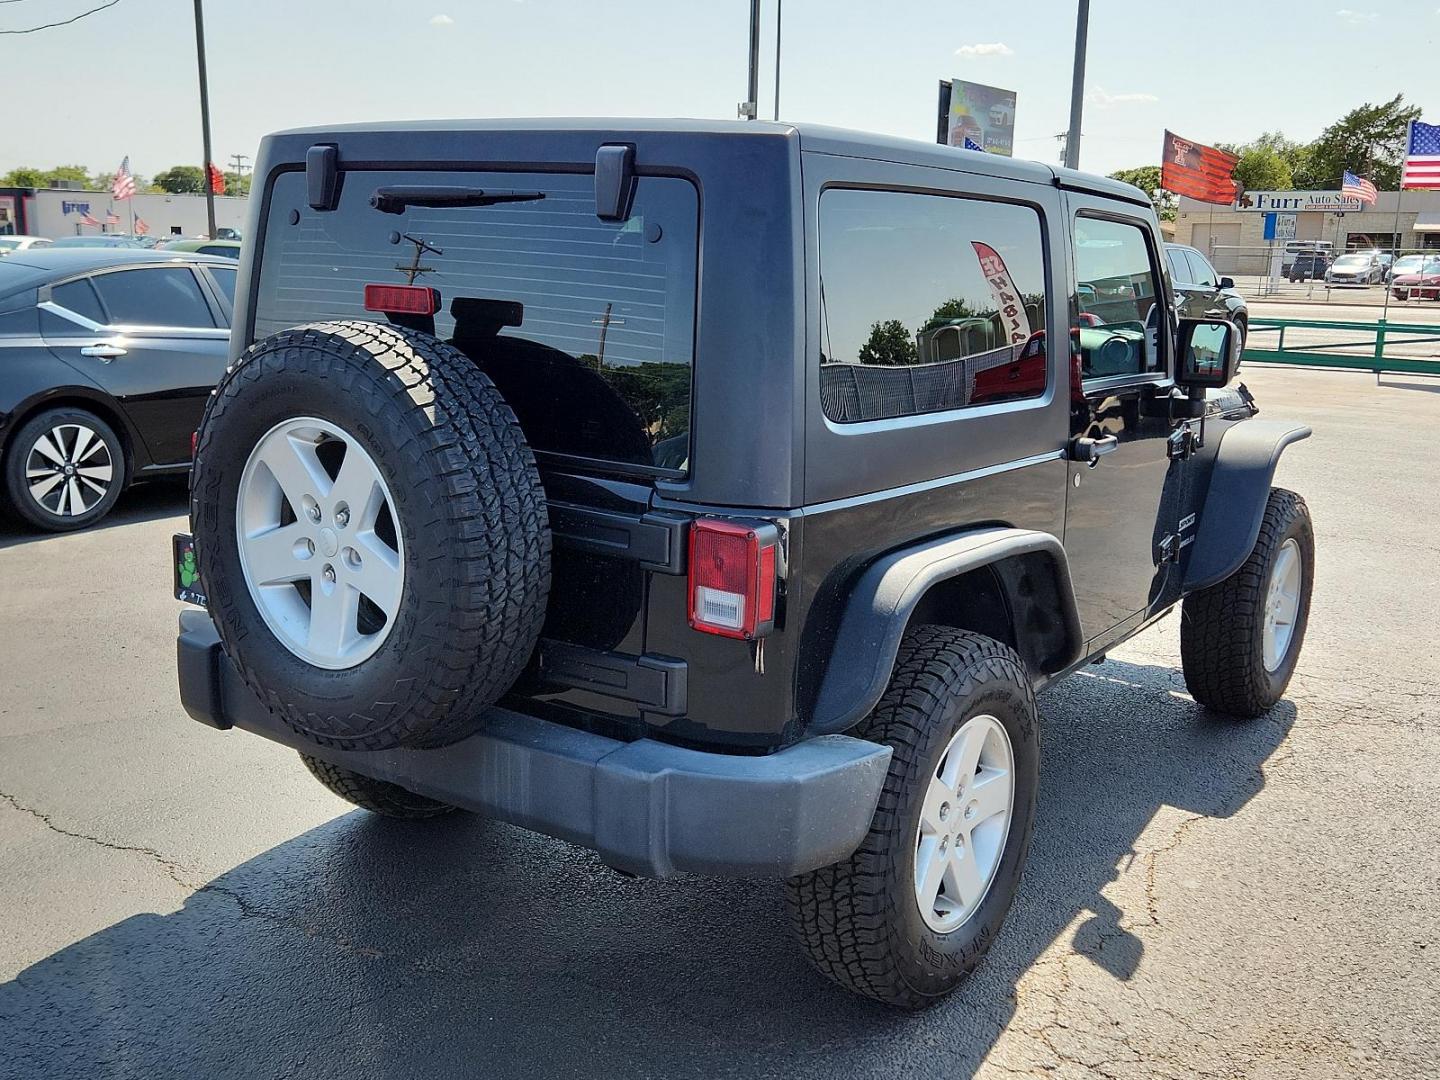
(1297, 202)
(983, 114)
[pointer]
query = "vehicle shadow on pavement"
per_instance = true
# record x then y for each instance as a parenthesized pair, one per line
(371, 948)
(148, 501)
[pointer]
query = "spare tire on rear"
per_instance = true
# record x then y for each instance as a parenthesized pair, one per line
(372, 534)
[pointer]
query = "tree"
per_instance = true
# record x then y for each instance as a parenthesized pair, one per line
(1368, 141)
(950, 310)
(23, 176)
(26, 176)
(1147, 179)
(75, 173)
(237, 183)
(1262, 169)
(181, 180)
(890, 344)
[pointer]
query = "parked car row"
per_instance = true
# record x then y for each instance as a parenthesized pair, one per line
(106, 359)
(1416, 276)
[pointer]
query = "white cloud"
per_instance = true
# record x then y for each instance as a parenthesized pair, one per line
(989, 48)
(441, 20)
(1357, 18)
(1103, 99)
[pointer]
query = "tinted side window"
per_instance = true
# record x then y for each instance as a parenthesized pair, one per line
(928, 303)
(79, 297)
(1115, 295)
(162, 296)
(225, 278)
(1201, 268)
(217, 249)
(1179, 266)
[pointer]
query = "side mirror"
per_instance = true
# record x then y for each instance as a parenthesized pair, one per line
(1227, 283)
(1207, 350)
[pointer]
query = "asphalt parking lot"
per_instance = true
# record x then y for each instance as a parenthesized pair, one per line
(1204, 899)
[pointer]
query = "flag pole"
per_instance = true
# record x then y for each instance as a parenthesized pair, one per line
(1395, 229)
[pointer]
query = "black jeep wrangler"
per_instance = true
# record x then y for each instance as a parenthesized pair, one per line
(718, 497)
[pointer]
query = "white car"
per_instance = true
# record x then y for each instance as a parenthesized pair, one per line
(20, 243)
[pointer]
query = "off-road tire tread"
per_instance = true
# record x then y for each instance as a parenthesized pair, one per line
(377, 796)
(843, 914)
(435, 404)
(1221, 626)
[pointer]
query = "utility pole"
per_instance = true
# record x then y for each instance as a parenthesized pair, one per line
(238, 162)
(750, 107)
(1077, 85)
(204, 114)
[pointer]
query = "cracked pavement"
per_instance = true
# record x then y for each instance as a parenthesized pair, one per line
(1203, 899)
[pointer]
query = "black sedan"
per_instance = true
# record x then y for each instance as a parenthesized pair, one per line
(106, 359)
(1201, 293)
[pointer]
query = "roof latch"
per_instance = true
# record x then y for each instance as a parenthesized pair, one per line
(614, 182)
(322, 177)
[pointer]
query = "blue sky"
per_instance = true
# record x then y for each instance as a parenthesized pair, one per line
(123, 81)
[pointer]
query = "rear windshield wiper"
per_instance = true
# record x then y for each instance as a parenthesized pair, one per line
(394, 200)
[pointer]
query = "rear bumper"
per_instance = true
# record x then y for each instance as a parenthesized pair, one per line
(646, 807)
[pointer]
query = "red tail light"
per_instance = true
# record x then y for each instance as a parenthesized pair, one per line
(402, 299)
(194, 443)
(733, 571)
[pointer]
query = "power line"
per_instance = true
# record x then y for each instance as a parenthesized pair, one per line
(62, 22)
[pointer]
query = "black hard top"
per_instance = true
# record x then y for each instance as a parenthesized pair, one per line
(813, 138)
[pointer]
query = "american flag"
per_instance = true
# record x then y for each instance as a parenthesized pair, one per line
(1422, 157)
(1357, 187)
(971, 144)
(140, 227)
(86, 219)
(123, 186)
(112, 218)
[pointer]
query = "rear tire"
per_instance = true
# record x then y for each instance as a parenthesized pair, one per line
(85, 463)
(1223, 629)
(397, 621)
(864, 922)
(377, 796)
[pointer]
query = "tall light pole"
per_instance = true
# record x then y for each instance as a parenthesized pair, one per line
(778, 5)
(1077, 86)
(750, 107)
(204, 114)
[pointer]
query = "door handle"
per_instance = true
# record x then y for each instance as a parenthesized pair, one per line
(104, 353)
(1092, 450)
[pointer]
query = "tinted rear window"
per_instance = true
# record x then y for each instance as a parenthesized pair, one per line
(153, 296)
(586, 326)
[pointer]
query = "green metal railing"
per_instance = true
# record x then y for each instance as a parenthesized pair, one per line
(1380, 336)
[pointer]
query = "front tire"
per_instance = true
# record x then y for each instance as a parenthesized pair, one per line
(916, 907)
(377, 796)
(1240, 639)
(64, 471)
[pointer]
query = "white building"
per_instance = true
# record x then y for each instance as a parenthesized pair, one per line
(1234, 236)
(56, 212)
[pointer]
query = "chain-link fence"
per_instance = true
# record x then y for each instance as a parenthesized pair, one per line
(1315, 271)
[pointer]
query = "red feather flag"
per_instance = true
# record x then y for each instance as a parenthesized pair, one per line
(1198, 172)
(217, 178)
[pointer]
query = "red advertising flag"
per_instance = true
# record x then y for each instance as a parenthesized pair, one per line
(1198, 172)
(217, 179)
(1007, 297)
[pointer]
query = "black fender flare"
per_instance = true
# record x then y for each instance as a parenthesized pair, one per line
(1235, 502)
(887, 592)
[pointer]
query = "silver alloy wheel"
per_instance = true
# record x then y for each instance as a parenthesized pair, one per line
(323, 558)
(1282, 604)
(964, 822)
(68, 470)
